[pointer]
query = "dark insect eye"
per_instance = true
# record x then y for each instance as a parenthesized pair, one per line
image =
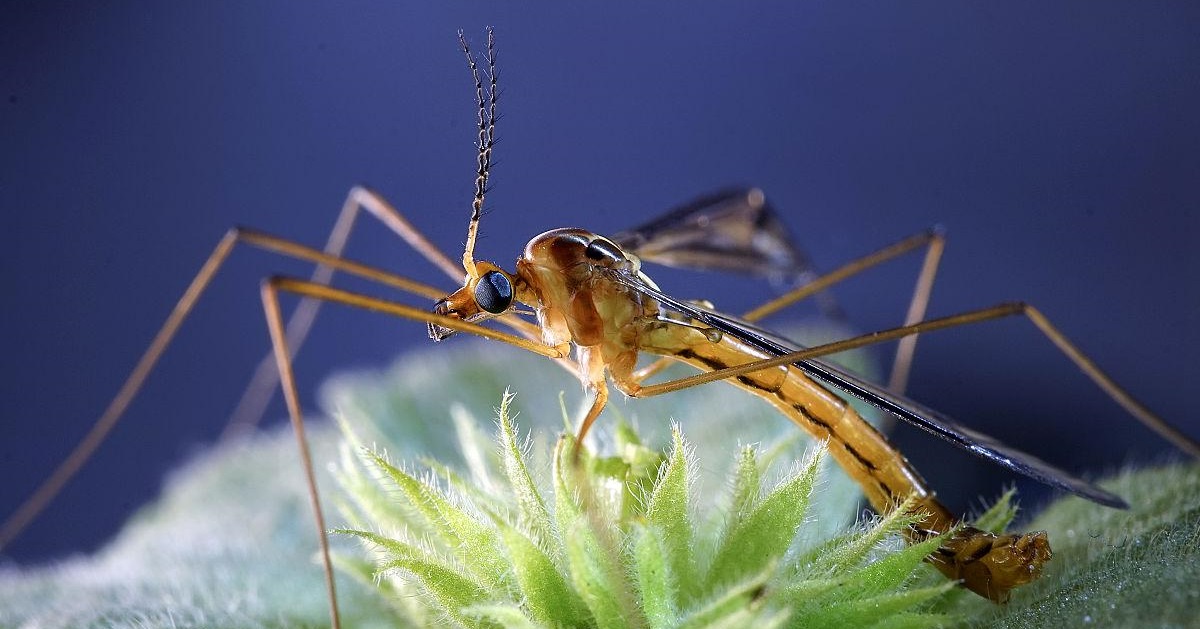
(493, 292)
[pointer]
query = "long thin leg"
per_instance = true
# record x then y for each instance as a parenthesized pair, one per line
(54, 483)
(258, 393)
(907, 347)
(284, 363)
(279, 344)
(599, 401)
(315, 290)
(934, 239)
(307, 288)
(850, 269)
(323, 292)
(1069, 349)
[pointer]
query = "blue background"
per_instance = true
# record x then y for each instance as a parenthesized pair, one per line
(1059, 145)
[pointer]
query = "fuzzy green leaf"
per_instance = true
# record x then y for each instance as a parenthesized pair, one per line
(476, 448)
(761, 533)
(453, 525)
(668, 511)
(747, 482)
(592, 556)
(372, 503)
(444, 583)
(505, 615)
(546, 593)
(997, 517)
(915, 620)
(897, 603)
(1111, 567)
(533, 515)
(845, 552)
(654, 578)
(453, 592)
(876, 610)
(893, 569)
(738, 601)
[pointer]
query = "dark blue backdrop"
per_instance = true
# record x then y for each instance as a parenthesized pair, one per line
(1058, 144)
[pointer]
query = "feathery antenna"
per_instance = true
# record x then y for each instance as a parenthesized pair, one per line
(485, 98)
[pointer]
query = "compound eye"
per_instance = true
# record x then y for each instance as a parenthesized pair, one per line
(493, 292)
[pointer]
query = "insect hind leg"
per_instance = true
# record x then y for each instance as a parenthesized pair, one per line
(934, 242)
(1101, 379)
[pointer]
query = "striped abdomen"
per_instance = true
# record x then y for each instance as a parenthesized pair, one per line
(988, 564)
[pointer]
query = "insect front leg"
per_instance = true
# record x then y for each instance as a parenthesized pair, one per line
(283, 357)
(96, 434)
(279, 346)
(261, 388)
(45, 493)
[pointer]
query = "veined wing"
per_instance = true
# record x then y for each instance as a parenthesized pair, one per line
(730, 230)
(909, 410)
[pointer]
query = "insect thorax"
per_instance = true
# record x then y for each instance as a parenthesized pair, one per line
(569, 272)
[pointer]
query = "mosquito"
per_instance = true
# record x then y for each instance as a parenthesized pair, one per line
(587, 293)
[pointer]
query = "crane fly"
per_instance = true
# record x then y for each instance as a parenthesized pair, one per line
(588, 293)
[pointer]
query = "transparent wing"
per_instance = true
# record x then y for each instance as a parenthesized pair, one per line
(731, 230)
(908, 410)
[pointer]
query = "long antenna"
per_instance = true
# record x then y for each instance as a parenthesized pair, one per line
(485, 98)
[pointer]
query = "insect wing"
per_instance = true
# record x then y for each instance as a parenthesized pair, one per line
(731, 230)
(909, 410)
